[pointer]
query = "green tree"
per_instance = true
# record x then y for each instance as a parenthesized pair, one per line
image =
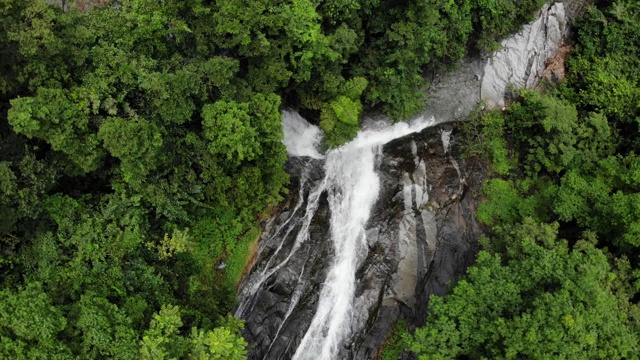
(339, 118)
(228, 128)
(30, 325)
(540, 300)
(105, 329)
(58, 117)
(219, 344)
(136, 142)
(162, 341)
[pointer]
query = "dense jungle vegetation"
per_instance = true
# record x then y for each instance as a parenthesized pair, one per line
(140, 146)
(559, 274)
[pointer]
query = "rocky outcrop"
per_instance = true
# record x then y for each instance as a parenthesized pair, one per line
(427, 233)
(421, 235)
(524, 56)
(521, 62)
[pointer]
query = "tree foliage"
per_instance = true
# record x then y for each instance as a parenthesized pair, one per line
(540, 300)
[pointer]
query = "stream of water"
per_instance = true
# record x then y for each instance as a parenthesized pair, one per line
(352, 185)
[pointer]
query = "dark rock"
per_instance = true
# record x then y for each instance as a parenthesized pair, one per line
(443, 236)
(284, 303)
(421, 236)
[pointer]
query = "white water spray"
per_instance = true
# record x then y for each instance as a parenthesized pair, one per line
(300, 137)
(353, 187)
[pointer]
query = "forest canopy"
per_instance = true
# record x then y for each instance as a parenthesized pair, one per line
(141, 144)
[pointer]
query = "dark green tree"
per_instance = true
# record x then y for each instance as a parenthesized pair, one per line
(540, 300)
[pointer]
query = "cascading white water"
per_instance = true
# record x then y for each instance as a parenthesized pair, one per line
(300, 137)
(352, 186)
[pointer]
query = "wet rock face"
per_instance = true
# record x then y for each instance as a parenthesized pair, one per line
(289, 285)
(520, 62)
(425, 225)
(523, 57)
(421, 235)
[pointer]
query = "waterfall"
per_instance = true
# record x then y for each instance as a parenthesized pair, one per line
(351, 185)
(348, 255)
